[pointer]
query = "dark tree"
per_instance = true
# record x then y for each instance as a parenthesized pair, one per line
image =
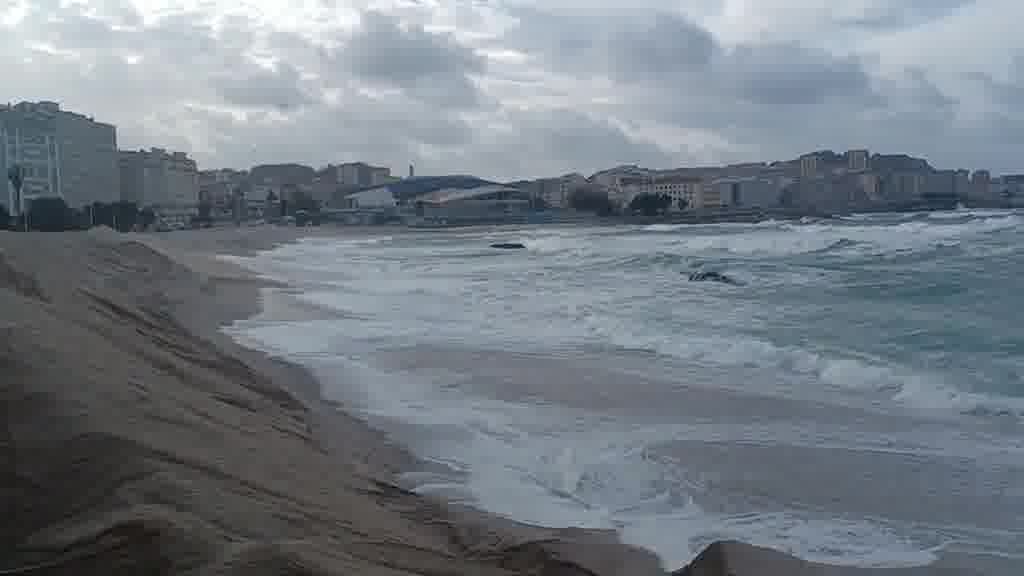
(303, 201)
(650, 204)
(51, 214)
(588, 199)
(147, 217)
(127, 214)
(205, 210)
(684, 204)
(5, 218)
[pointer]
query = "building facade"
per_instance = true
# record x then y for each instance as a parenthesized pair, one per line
(554, 192)
(28, 140)
(218, 187)
(361, 174)
(89, 168)
(61, 154)
(686, 191)
(167, 182)
(747, 191)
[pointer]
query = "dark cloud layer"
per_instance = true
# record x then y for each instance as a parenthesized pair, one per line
(393, 86)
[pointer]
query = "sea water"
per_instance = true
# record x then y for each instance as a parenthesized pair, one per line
(858, 399)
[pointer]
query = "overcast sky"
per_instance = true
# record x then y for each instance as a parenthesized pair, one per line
(527, 88)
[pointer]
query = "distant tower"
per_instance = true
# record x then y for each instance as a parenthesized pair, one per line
(412, 171)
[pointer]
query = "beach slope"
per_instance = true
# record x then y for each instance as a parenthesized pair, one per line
(138, 440)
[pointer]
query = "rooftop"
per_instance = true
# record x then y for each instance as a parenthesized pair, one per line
(420, 185)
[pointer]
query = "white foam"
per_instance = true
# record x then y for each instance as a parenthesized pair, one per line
(560, 466)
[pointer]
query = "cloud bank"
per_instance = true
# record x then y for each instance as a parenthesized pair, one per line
(510, 89)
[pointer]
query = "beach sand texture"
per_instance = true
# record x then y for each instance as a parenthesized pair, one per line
(138, 439)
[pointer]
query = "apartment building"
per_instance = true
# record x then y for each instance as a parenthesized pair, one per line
(60, 154)
(281, 181)
(554, 192)
(686, 191)
(747, 191)
(620, 182)
(28, 141)
(167, 182)
(218, 187)
(947, 184)
(356, 174)
(89, 168)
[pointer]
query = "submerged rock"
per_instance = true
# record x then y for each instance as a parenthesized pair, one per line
(711, 276)
(509, 245)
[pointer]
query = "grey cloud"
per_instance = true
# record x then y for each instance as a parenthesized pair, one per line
(666, 46)
(278, 88)
(675, 55)
(195, 87)
(789, 74)
(895, 14)
(779, 97)
(555, 141)
(432, 66)
(574, 45)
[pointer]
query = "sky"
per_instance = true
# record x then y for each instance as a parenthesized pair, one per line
(528, 88)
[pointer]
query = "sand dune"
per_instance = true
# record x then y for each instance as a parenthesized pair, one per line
(137, 439)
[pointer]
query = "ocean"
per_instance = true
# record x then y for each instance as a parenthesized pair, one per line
(858, 399)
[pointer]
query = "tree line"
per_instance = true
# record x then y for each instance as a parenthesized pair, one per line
(595, 200)
(52, 214)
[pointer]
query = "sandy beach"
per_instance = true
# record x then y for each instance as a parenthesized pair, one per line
(139, 439)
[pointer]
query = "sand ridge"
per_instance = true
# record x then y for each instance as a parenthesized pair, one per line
(139, 441)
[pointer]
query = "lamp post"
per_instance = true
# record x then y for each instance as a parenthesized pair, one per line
(15, 175)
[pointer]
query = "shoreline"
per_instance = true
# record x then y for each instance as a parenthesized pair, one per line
(277, 450)
(720, 559)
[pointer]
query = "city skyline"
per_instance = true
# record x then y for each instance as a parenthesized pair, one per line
(508, 90)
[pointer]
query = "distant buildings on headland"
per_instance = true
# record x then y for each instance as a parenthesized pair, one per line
(62, 154)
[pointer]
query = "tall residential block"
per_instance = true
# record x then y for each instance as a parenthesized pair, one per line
(28, 141)
(61, 153)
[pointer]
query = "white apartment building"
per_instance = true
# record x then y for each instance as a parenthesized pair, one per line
(60, 153)
(555, 191)
(678, 187)
(167, 182)
(357, 174)
(28, 139)
(615, 181)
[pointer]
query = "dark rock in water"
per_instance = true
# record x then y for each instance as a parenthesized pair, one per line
(508, 245)
(711, 276)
